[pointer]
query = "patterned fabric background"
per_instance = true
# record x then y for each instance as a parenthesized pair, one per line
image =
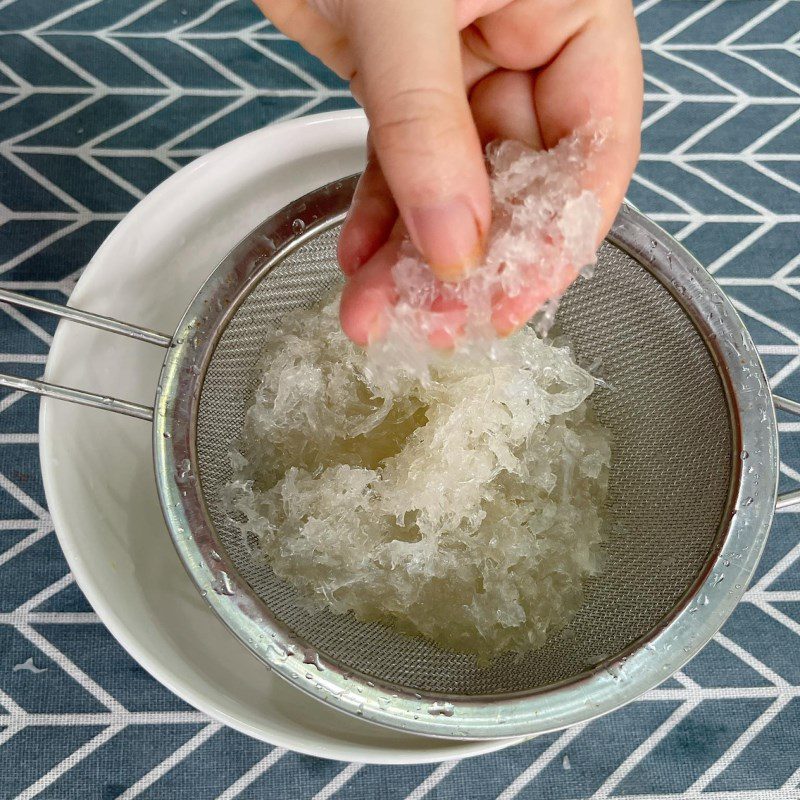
(100, 100)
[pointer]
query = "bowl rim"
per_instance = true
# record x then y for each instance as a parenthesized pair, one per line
(343, 129)
(606, 687)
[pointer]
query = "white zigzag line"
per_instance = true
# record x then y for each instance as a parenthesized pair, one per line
(8, 702)
(45, 594)
(768, 321)
(748, 658)
(22, 358)
(257, 91)
(777, 379)
(158, 772)
(792, 782)
(753, 22)
(703, 131)
(645, 6)
(25, 499)
(42, 244)
(210, 119)
(45, 183)
(555, 749)
(109, 718)
(11, 101)
(669, 89)
(766, 71)
(724, 188)
(783, 273)
(83, 216)
(13, 76)
(49, 618)
(687, 21)
(627, 766)
(140, 62)
(300, 110)
(22, 525)
(25, 322)
(66, 62)
(340, 780)
(295, 69)
(62, 15)
(688, 230)
(777, 615)
(778, 569)
(77, 674)
(776, 596)
(694, 46)
(772, 175)
(9, 733)
(142, 115)
(217, 66)
(205, 16)
(255, 772)
(706, 73)
(739, 247)
(742, 794)
(73, 760)
(112, 176)
(735, 750)
(50, 121)
(665, 193)
(433, 780)
(660, 113)
(133, 16)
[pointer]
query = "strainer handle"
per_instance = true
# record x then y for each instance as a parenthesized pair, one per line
(787, 499)
(93, 321)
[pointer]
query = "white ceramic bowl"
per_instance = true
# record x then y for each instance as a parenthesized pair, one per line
(97, 467)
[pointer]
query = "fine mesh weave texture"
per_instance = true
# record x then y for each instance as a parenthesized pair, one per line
(670, 474)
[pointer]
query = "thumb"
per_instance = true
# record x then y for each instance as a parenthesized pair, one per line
(409, 79)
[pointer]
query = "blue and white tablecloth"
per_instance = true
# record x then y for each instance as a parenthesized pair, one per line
(100, 100)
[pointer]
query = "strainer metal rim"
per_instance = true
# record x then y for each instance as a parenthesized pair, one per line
(598, 691)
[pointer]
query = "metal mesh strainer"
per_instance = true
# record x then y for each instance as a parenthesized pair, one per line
(689, 396)
(667, 401)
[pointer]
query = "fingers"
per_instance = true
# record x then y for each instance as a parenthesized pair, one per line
(370, 219)
(318, 35)
(367, 296)
(526, 34)
(592, 73)
(411, 84)
(503, 108)
(370, 293)
(587, 65)
(598, 76)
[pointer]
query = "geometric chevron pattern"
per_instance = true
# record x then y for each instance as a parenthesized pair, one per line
(101, 100)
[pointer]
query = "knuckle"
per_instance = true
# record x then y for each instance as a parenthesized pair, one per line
(417, 121)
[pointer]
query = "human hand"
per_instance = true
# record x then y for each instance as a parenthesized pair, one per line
(438, 79)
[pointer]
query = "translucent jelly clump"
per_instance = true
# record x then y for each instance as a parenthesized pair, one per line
(544, 233)
(466, 508)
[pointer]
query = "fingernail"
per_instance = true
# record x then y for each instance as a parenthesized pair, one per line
(448, 236)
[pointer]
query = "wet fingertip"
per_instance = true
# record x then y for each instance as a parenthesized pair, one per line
(365, 298)
(442, 339)
(356, 321)
(352, 250)
(453, 272)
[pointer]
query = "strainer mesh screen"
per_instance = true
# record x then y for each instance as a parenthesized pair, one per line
(671, 468)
